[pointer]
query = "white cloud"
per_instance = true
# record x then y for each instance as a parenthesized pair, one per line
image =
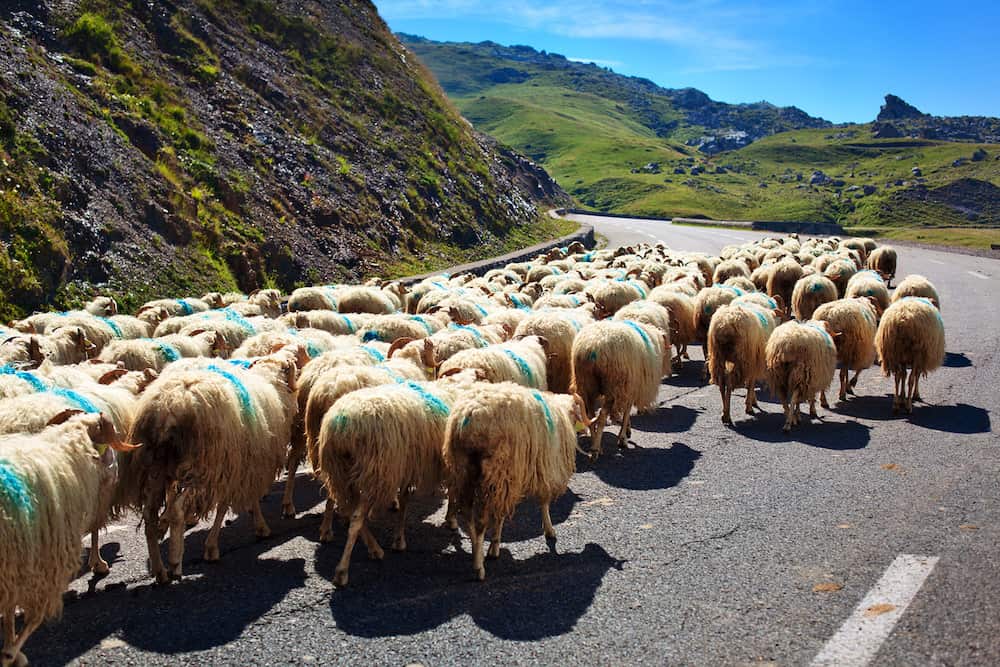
(596, 61)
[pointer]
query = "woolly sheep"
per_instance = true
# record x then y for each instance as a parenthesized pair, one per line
(314, 341)
(737, 337)
(52, 485)
(312, 298)
(176, 307)
(680, 308)
(361, 299)
(801, 359)
(853, 323)
(868, 283)
(221, 430)
(883, 261)
(156, 353)
(329, 321)
(731, 268)
(910, 336)
(380, 445)
(811, 292)
(781, 281)
(522, 361)
(618, 364)
(504, 443)
(840, 271)
(916, 285)
(102, 306)
(558, 329)
(610, 295)
(706, 303)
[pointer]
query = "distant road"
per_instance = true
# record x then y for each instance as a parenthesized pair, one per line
(862, 538)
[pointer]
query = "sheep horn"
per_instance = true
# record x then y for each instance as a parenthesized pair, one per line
(123, 446)
(396, 344)
(111, 376)
(63, 416)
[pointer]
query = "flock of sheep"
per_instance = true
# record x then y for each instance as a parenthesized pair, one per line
(476, 385)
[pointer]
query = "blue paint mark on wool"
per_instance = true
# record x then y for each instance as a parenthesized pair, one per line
(434, 404)
(482, 311)
(639, 288)
(15, 490)
(548, 413)
(826, 336)
(642, 334)
(185, 307)
(556, 271)
(370, 336)
(373, 353)
(761, 317)
(423, 322)
(233, 316)
(112, 325)
(77, 399)
(735, 290)
(587, 257)
(242, 393)
(311, 348)
(517, 302)
(240, 363)
(522, 366)
(480, 341)
(348, 322)
(30, 378)
(923, 299)
(816, 286)
(169, 352)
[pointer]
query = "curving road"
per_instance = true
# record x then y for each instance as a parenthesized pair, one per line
(704, 545)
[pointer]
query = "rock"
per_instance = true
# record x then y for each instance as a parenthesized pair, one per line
(697, 170)
(979, 155)
(869, 189)
(679, 170)
(853, 188)
(897, 109)
(916, 171)
(720, 170)
(959, 162)
(885, 131)
(838, 183)
(818, 178)
(762, 185)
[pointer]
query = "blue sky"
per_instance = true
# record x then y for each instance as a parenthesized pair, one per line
(832, 58)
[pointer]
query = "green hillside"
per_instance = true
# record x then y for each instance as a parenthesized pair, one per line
(624, 145)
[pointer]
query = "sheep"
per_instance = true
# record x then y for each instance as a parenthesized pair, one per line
(741, 283)
(706, 303)
(362, 355)
(52, 486)
(246, 309)
(730, 268)
(269, 301)
(610, 295)
(176, 307)
(379, 445)
(801, 359)
(156, 353)
(30, 412)
(910, 336)
(388, 328)
(811, 292)
(152, 317)
(620, 364)
(315, 342)
(503, 443)
(916, 285)
(781, 280)
(737, 337)
(233, 327)
(221, 432)
(647, 312)
(329, 321)
(558, 330)
(361, 299)
(129, 327)
(853, 322)
(508, 318)
(681, 312)
(66, 345)
(840, 271)
(102, 306)
(522, 361)
(883, 261)
(19, 350)
(868, 283)
(858, 246)
(312, 298)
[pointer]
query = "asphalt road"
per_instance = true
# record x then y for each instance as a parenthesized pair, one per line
(702, 546)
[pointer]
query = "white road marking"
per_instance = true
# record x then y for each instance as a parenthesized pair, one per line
(872, 621)
(935, 261)
(976, 274)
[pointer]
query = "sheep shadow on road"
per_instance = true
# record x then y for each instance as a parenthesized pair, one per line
(521, 600)
(645, 468)
(956, 360)
(672, 419)
(825, 432)
(960, 418)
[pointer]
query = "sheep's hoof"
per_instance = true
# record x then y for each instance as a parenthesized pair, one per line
(399, 544)
(550, 535)
(340, 577)
(101, 568)
(481, 574)
(288, 510)
(161, 578)
(825, 405)
(916, 397)
(378, 554)
(211, 554)
(728, 421)
(19, 660)
(594, 455)
(394, 507)
(452, 523)
(787, 428)
(262, 533)
(494, 551)
(326, 536)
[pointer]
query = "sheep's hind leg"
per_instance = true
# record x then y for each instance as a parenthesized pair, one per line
(358, 517)
(725, 393)
(550, 532)
(477, 533)
(9, 636)
(260, 527)
(326, 528)
(295, 455)
(151, 524)
(494, 551)
(844, 385)
(399, 542)
(812, 408)
(175, 549)
(598, 431)
(375, 551)
(853, 383)
(12, 654)
(911, 391)
(626, 430)
(451, 514)
(751, 401)
(95, 563)
(916, 386)
(211, 551)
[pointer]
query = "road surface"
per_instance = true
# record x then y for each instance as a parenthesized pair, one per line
(861, 538)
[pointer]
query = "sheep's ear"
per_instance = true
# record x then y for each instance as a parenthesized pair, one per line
(112, 376)
(544, 342)
(123, 446)
(451, 371)
(35, 351)
(142, 310)
(63, 416)
(397, 344)
(95, 361)
(428, 354)
(508, 330)
(253, 293)
(291, 371)
(196, 332)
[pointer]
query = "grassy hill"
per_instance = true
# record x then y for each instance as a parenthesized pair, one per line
(615, 143)
(170, 148)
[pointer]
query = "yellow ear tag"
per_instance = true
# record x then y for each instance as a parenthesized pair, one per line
(579, 426)
(101, 449)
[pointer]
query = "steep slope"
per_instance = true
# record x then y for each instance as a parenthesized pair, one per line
(176, 146)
